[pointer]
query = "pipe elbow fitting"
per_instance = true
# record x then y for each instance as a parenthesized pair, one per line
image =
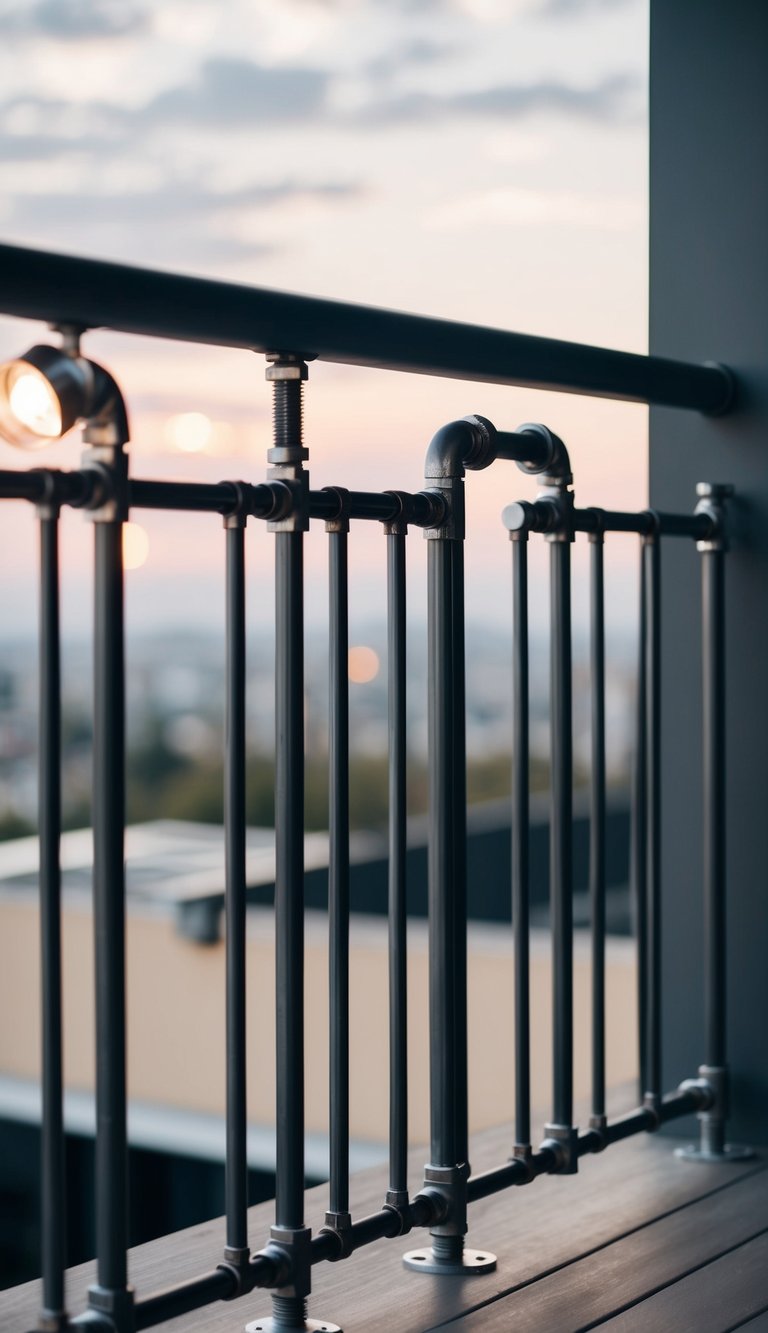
(467, 443)
(555, 468)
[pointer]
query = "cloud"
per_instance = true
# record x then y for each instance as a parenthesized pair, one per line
(421, 51)
(46, 147)
(74, 20)
(612, 98)
(180, 224)
(573, 8)
(229, 92)
(224, 94)
(519, 207)
(172, 202)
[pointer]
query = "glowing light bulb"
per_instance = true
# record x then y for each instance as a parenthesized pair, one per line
(34, 404)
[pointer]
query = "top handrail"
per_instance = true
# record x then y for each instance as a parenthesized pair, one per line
(90, 293)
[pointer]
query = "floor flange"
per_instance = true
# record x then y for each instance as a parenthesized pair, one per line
(268, 1325)
(732, 1152)
(471, 1262)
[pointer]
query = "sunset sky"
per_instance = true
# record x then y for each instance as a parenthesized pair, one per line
(482, 160)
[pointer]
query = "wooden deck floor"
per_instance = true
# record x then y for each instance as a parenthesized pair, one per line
(638, 1241)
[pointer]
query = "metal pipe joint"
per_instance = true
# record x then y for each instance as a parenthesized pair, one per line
(339, 522)
(562, 1141)
(339, 1227)
(652, 1108)
(468, 443)
(442, 1185)
(523, 1153)
(237, 1264)
(398, 526)
(710, 1089)
(62, 488)
(446, 1189)
(459, 445)
(553, 511)
(397, 1203)
(113, 1305)
(287, 373)
(107, 464)
(237, 514)
(711, 503)
(290, 1252)
(548, 458)
(555, 501)
(473, 443)
(598, 1128)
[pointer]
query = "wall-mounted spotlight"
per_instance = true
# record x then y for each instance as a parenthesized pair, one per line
(45, 392)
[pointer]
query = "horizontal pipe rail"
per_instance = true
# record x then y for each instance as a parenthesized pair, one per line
(541, 516)
(422, 509)
(90, 293)
(518, 1171)
(195, 496)
(73, 488)
(220, 1285)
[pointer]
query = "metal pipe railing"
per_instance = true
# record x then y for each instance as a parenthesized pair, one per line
(245, 317)
(286, 1262)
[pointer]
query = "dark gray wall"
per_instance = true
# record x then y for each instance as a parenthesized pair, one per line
(709, 300)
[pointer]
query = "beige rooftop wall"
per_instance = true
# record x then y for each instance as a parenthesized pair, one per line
(176, 1016)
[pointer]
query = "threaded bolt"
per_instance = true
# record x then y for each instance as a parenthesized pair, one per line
(713, 1135)
(287, 413)
(447, 1249)
(289, 1312)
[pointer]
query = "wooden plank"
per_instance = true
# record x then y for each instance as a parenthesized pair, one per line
(550, 1223)
(715, 1299)
(757, 1325)
(586, 1293)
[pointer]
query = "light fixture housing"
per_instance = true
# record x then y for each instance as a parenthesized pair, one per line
(45, 392)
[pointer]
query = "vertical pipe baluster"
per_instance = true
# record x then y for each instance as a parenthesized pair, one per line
(458, 727)
(49, 797)
(561, 850)
(520, 840)
(449, 1164)
(111, 1292)
(713, 674)
(398, 975)
(289, 883)
(712, 1145)
(597, 826)
(444, 871)
(236, 1171)
(652, 559)
(338, 878)
(638, 835)
(289, 1236)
